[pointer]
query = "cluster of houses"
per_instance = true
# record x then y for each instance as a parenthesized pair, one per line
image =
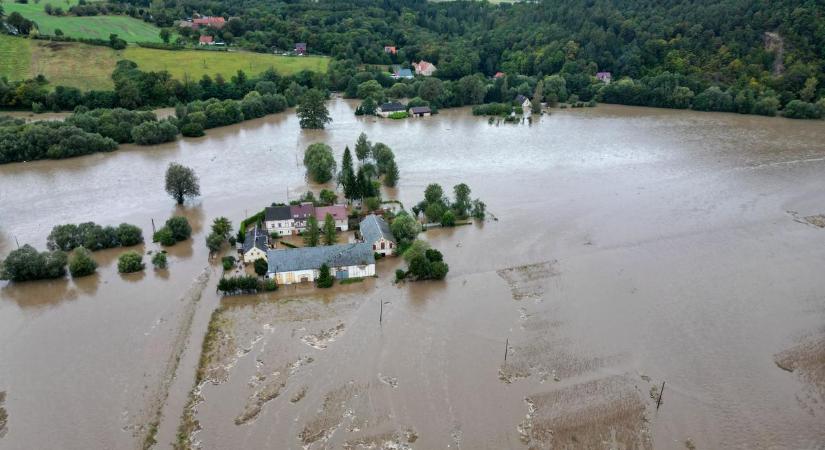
(214, 22)
(385, 109)
(303, 264)
(423, 68)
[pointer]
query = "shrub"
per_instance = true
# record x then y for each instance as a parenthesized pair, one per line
(399, 115)
(192, 129)
(448, 219)
(228, 262)
(129, 235)
(180, 228)
(261, 266)
(164, 236)
(81, 263)
(129, 262)
(242, 284)
(797, 109)
(159, 260)
(151, 133)
(26, 264)
(268, 285)
(400, 274)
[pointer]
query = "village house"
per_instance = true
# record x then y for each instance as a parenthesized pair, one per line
(376, 232)
(278, 220)
(420, 111)
(424, 68)
(300, 214)
(255, 246)
(302, 265)
(338, 212)
(206, 40)
(211, 22)
(390, 50)
(300, 48)
(604, 77)
(499, 75)
(388, 108)
(524, 102)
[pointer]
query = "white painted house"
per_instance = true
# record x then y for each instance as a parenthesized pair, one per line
(339, 214)
(302, 265)
(376, 232)
(278, 219)
(255, 245)
(524, 102)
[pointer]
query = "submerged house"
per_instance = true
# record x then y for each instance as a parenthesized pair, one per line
(255, 245)
(278, 219)
(524, 102)
(301, 265)
(420, 111)
(300, 214)
(376, 232)
(388, 108)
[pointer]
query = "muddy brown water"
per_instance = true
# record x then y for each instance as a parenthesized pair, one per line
(633, 246)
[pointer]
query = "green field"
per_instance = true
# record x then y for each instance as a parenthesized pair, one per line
(90, 67)
(96, 27)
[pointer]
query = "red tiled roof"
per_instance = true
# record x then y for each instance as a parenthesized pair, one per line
(206, 39)
(339, 212)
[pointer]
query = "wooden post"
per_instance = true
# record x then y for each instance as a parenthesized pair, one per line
(153, 225)
(381, 314)
(659, 401)
(506, 348)
(17, 242)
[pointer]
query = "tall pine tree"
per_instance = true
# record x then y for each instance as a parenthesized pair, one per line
(347, 176)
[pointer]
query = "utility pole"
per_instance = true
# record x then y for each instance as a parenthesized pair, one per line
(506, 348)
(381, 314)
(659, 400)
(153, 225)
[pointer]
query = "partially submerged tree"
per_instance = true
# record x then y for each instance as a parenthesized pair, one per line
(81, 263)
(312, 110)
(329, 230)
(26, 263)
(181, 182)
(261, 266)
(129, 262)
(159, 260)
(319, 162)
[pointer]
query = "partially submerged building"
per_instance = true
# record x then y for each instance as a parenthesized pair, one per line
(302, 265)
(255, 245)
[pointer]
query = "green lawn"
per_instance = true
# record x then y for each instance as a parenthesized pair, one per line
(99, 27)
(90, 67)
(195, 63)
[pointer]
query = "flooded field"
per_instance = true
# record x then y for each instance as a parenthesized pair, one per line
(633, 247)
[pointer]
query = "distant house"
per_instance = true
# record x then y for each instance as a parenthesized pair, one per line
(424, 68)
(376, 232)
(206, 40)
(339, 213)
(499, 75)
(278, 219)
(300, 48)
(300, 214)
(301, 265)
(388, 108)
(525, 104)
(390, 50)
(186, 24)
(604, 77)
(211, 22)
(255, 246)
(420, 111)
(402, 73)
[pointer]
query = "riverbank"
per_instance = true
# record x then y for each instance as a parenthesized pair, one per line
(634, 246)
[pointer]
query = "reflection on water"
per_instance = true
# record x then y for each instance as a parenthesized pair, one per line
(633, 246)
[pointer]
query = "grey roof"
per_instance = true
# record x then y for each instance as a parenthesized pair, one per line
(404, 73)
(278, 213)
(307, 258)
(393, 106)
(374, 228)
(420, 109)
(520, 99)
(255, 238)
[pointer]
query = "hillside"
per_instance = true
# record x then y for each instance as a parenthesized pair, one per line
(95, 27)
(90, 67)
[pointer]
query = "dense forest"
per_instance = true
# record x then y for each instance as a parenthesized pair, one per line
(747, 56)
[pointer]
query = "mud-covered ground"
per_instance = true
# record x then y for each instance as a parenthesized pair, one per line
(633, 247)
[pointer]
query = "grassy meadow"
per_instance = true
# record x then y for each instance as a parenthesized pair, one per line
(99, 27)
(90, 67)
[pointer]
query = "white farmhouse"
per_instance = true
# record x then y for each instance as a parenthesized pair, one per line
(278, 219)
(339, 214)
(255, 245)
(300, 265)
(375, 232)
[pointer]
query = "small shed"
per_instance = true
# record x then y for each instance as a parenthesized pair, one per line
(420, 111)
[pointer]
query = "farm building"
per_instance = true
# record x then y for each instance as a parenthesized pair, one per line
(299, 265)
(402, 73)
(255, 245)
(525, 104)
(420, 111)
(424, 68)
(376, 232)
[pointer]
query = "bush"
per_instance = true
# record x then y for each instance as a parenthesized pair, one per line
(241, 285)
(81, 263)
(26, 264)
(192, 129)
(448, 219)
(268, 285)
(261, 266)
(129, 262)
(151, 133)
(325, 279)
(424, 263)
(164, 236)
(180, 228)
(228, 262)
(400, 274)
(129, 235)
(92, 236)
(492, 109)
(797, 109)
(159, 260)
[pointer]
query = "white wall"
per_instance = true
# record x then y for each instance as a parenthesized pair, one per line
(253, 254)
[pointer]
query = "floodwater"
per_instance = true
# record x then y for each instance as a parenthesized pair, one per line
(633, 247)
